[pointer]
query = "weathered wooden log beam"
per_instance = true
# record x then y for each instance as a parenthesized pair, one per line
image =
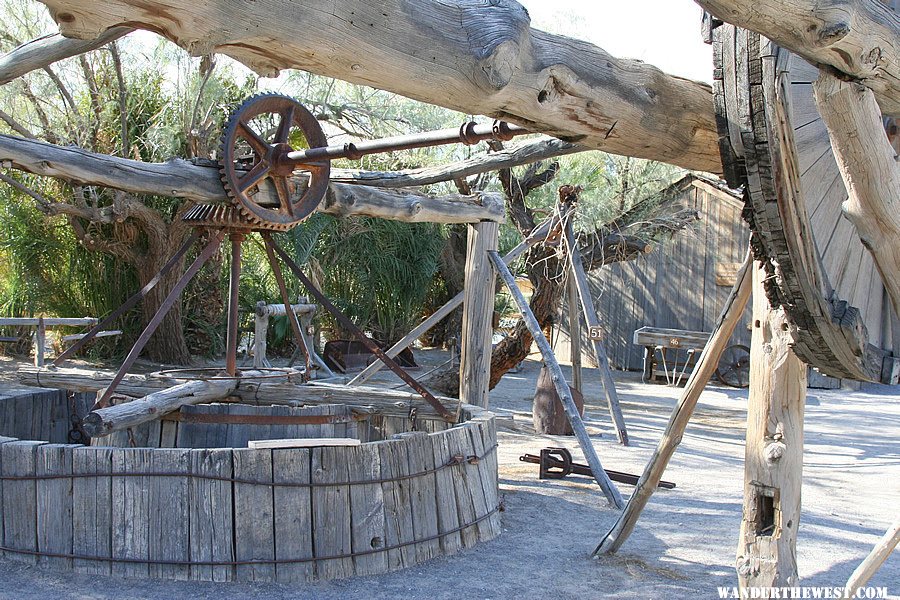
(870, 171)
(475, 57)
(180, 178)
(264, 392)
(860, 38)
(103, 421)
(48, 49)
(868, 567)
(681, 416)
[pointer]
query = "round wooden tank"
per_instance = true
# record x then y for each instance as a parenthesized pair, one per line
(185, 498)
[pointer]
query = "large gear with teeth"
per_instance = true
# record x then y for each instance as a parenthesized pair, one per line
(257, 179)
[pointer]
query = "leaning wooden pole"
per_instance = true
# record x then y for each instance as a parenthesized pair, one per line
(863, 573)
(773, 456)
(559, 382)
(706, 366)
(590, 317)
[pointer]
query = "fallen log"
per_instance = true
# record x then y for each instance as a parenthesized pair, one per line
(474, 57)
(183, 179)
(103, 421)
(860, 38)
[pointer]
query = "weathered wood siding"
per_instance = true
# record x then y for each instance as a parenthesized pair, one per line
(675, 285)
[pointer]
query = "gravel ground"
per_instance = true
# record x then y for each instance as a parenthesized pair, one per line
(684, 545)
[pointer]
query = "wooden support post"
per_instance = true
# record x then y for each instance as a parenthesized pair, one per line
(559, 382)
(478, 312)
(260, 331)
(40, 342)
(574, 334)
(863, 573)
(706, 366)
(773, 459)
(590, 317)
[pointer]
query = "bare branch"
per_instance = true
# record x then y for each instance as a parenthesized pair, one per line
(16, 126)
(123, 99)
(48, 49)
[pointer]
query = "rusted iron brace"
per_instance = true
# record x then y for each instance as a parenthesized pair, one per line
(131, 302)
(289, 313)
(357, 332)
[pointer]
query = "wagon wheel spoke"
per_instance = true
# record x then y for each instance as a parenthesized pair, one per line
(256, 142)
(253, 176)
(284, 127)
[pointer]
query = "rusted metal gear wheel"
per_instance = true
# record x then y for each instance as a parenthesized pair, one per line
(254, 171)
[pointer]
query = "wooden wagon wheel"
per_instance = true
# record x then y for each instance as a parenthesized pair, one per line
(775, 143)
(734, 366)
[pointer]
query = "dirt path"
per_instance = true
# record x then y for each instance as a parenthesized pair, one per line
(683, 546)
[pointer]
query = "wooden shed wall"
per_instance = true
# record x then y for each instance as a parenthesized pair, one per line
(675, 285)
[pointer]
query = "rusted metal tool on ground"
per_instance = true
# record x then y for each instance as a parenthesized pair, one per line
(556, 463)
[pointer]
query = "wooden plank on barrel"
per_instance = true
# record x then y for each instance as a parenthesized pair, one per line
(92, 509)
(254, 536)
(489, 480)
(169, 514)
(331, 512)
(189, 434)
(3, 440)
(20, 499)
(293, 515)
(168, 437)
(482, 493)
(59, 422)
(423, 503)
(54, 505)
(459, 445)
(131, 512)
(399, 528)
(448, 515)
(211, 515)
(367, 508)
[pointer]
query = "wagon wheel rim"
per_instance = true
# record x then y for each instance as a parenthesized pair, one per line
(734, 366)
(774, 143)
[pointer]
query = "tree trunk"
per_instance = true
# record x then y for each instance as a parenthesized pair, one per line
(474, 57)
(167, 344)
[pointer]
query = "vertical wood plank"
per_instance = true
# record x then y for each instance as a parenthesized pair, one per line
(54, 505)
(254, 514)
(478, 310)
(482, 486)
(448, 516)
(3, 440)
(131, 511)
(331, 513)
(423, 502)
(293, 514)
(397, 515)
(459, 445)
(490, 479)
(20, 499)
(211, 515)
(169, 538)
(92, 509)
(367, 527)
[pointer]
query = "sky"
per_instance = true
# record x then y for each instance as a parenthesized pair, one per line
(664, 33)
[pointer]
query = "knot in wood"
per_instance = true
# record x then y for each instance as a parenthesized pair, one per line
(774, 451)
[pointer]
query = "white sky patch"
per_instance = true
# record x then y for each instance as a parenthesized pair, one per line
(663, 33)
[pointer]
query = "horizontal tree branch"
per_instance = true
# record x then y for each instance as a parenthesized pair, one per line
(475, 57)
(46, 50)
(860, 38)
(201, 183)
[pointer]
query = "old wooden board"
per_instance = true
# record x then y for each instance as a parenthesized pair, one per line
(293, 515)
(254, 538)
(775, 143)
(92, 509)
(211, 515)
(20, 499)
(131, 512)
(331, 512)
(54, 505)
